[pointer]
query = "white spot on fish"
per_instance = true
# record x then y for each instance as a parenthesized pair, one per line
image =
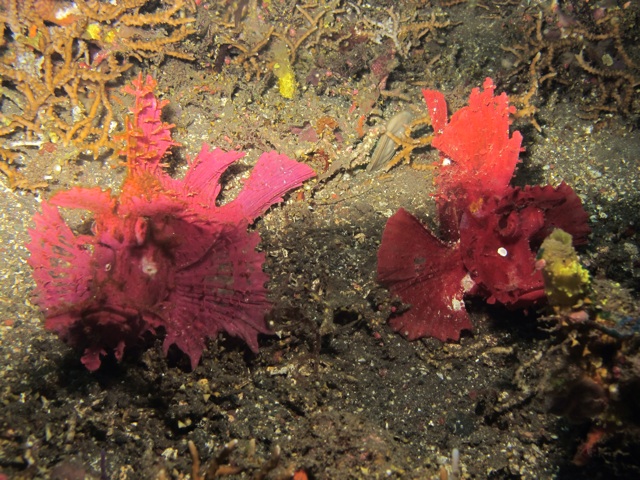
(149, 267)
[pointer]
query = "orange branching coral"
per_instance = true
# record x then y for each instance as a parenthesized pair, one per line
(576, 44)
(58, 60)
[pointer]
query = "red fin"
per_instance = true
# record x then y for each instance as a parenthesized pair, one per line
(480, 155)
(426, 273)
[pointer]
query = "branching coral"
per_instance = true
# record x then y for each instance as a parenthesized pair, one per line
(59, 59)
(573, 40)
(256, 35)
(246, 35)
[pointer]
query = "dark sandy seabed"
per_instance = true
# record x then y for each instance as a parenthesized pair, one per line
(339, 393)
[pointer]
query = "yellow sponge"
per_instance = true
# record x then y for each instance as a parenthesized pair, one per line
(566, 281)
(286, 79)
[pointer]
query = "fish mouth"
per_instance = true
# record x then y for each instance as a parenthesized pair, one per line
(109, 314)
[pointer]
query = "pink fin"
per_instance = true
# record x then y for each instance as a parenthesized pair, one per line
(273, 176)
(224, 291)
(93, 199)
(61, 266)
(204, 173)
